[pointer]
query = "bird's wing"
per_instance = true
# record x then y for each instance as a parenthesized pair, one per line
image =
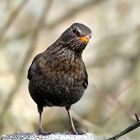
(85, 82)
(33, 69)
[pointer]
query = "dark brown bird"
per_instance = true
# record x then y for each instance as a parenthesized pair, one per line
(57, 76)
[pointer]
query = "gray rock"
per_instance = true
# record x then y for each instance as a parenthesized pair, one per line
(54, 136)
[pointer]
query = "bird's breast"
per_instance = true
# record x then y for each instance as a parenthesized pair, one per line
(66, 69)
(62, 65)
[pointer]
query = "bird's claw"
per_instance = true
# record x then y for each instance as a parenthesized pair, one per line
(42, 132)
(78, 132)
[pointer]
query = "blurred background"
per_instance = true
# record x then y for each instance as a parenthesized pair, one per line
(28, 27)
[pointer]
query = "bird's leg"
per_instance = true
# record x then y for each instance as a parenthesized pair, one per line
(40, 129)
(73, 130)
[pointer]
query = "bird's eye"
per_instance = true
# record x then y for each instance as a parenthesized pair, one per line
(74, 31)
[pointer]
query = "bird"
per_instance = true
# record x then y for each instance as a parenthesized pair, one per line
(58, 76)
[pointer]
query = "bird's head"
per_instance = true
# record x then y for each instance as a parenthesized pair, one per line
(76, 36)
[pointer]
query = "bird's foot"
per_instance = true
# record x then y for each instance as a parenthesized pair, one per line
(42, 132)
(80, 132)
(77, 132)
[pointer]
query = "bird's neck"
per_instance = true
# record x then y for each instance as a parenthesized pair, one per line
(74, 46)
(71, 47)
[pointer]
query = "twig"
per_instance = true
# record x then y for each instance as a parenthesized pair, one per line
(12, 18)
(113, 99)
(21, 36)
(106, 98)
(60, 20)
(86, 123)
(127, 130)
(82, 121)
(117, 93)
(137, 118)
(29, 53)
(72, 12)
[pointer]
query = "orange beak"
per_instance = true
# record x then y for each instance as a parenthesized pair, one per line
(85, 39)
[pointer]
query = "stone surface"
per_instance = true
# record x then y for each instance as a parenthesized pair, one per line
(56, 136)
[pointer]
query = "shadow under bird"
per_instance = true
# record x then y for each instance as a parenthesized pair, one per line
(58, 76)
